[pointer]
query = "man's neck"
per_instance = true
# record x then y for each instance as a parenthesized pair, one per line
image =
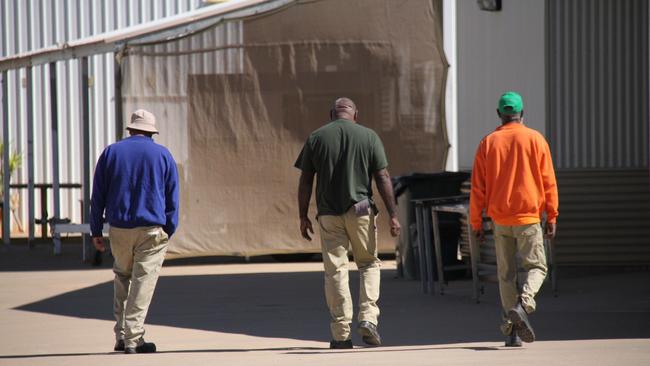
(346, 119)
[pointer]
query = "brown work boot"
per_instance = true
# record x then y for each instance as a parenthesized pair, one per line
(144, 347)
(347, 344)
(119, 345)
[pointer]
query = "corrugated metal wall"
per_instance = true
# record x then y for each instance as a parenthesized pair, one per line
(32, 24)
(597, 125)
(604, 217)
(597, 83)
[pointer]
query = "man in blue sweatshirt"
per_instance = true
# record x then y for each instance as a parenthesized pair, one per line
(136, 186)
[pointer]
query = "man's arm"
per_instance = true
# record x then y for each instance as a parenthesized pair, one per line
(477, 195)
(304, 196)
(550, 191)
(98, 203)
(385, 187)
(171, 199)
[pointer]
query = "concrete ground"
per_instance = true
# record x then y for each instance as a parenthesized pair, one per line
(57, 311)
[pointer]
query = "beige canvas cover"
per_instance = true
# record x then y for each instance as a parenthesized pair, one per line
(236, 101)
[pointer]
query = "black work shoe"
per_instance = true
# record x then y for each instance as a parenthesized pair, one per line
(513, 340)
(522, 327)
(341, 344)
(119, 345)
(369, 333)
(144, 347)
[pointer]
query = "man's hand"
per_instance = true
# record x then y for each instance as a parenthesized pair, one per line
(306, 228)
(98, 242)
(551, 229)
(385, 187)
(479, 235)
(304, 196)
(395, 227)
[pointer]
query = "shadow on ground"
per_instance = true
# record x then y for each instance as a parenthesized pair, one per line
(20, 257)
(291, 305)
(286, 350)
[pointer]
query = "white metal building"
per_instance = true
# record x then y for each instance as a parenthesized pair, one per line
(582, 68)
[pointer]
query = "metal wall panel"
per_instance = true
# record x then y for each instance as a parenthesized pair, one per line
(597, 101)
(31, 24)
(597, 83)
(604, 217)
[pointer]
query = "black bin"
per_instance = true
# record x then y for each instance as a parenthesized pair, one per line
(420, 186)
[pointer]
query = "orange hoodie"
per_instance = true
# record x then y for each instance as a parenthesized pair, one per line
(513, 178)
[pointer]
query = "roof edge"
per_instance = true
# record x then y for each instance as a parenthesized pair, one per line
(112, 40)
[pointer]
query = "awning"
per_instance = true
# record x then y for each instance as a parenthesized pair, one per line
(164, 29)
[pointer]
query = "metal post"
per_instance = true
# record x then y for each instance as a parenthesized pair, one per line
(437, 245)
(420, 238)
(44, 213)
(428, 250)
(474, 255)
(30, 155)
(551, 264)
(119, 122)
(6, 210)
(85, 128)
(56, 196)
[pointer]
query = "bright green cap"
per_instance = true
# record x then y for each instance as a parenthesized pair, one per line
(510, 103)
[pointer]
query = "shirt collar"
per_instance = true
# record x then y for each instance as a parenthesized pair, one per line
(140, 137)
(510, 126)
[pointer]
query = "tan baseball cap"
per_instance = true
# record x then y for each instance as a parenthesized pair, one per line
(143, 121)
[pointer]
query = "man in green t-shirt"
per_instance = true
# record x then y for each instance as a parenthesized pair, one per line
(345, 157)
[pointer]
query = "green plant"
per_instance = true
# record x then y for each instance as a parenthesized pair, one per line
(15, 161)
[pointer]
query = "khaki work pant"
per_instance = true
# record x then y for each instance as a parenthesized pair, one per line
(527, 241)
(138, 254)
(338, 233)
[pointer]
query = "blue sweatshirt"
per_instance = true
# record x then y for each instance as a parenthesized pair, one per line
(136, 182)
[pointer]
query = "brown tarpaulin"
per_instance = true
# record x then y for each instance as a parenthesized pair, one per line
(235, 103)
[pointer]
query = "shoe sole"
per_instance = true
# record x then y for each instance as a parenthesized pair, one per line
(524, 330)
(369, 337)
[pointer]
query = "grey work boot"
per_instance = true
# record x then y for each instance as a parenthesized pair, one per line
(522, 327)
(513, 339)
(369, 333)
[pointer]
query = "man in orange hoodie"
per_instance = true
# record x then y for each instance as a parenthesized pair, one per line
(513, 180)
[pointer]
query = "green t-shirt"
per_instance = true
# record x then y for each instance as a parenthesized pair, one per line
(344, 155)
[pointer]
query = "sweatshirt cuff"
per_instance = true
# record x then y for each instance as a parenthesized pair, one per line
(95, 232)
(477, 226)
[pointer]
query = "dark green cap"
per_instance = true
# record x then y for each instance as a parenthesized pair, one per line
(510, 103)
